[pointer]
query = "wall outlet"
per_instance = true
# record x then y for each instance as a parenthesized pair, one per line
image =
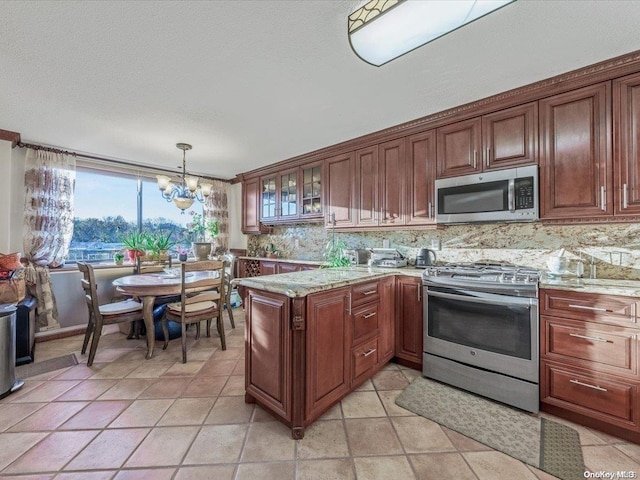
(435, 243)
(385, 243)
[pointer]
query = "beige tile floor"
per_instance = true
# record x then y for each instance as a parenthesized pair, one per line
(131, 418)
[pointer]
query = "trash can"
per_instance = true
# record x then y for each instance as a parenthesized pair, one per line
(8, 382)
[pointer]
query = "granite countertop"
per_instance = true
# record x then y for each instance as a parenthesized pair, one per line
(288, 260)
(603, 286)
(300, 284)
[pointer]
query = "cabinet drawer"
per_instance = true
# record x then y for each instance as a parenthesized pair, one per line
(364, 358)
(597, 346)
(364, 293)
(364, 321)
(598, 396)
(589, 306)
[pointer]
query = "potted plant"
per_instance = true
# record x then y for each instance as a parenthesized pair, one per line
(199, 228)
(159, 243)
(118, 258)
(271, 251)
(135, 243)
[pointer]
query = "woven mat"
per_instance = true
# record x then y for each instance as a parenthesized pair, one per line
(542, 443)
(38, 368)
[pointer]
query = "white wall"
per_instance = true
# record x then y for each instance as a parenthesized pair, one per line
(5, 197)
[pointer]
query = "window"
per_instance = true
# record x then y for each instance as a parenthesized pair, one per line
(106, 207)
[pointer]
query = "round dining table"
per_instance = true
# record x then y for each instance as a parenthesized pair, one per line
(148, 286)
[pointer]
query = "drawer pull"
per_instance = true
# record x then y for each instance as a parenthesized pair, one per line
(588, 385)
(585, 307)
(370, 292)
(595, 339)
(366, 354)
(369, 315)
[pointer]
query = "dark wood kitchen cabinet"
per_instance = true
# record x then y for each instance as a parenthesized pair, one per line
(503, 139)
(328, 350)
(339, 179)
(409, 321)
(575, 154)
(380, 185)
(279, 197)
(589, 363)
(386, 323)
(626, 134)
(421, 174)
(251, 206)
(268, 267)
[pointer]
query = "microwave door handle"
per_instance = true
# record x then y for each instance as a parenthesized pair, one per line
(488, 301)
(512, 207)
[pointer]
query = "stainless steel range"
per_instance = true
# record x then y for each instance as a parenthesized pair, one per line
(481, 330)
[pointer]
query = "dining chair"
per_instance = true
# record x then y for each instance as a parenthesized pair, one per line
(152, 263)
(229, 274)
(199, 307)
(100, 315)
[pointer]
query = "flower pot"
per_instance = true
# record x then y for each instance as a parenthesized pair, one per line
(132, 254)
(272, 255)
(182, 257)
(201, 250)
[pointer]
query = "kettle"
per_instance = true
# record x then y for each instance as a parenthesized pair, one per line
(425, 258)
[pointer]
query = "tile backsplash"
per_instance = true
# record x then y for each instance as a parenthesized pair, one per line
(614, 247)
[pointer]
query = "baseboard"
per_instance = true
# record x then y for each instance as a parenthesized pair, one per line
(63, 332)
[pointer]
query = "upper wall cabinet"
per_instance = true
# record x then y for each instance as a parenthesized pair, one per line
(279, 197)
(626, 134)
(380, 185)
(339, 192)
(575, 156)
(420, 168)
(503, 139)
(251, 206)
(311, 190)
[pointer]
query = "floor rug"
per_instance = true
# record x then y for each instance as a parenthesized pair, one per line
(542, 443)
(38, 368)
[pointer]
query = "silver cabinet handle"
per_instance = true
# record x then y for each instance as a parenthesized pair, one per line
(486, 159)
(603, 199)
(369, 315)
(370, 292)
(366, 354)
(625, 196)
(475, 159)
(595, 339)
(585, 307)
(349, 303)
(588, 385)
(419, 293)
(429, 207)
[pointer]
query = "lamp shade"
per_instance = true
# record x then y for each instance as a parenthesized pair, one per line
(163, 181)
(383, 30)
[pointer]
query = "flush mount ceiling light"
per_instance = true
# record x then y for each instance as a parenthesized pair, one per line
(385, 29)
(188, 190)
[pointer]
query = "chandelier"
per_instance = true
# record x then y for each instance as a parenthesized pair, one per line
(382, 30)
(188, 190)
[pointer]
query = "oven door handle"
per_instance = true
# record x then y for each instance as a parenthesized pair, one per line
(489, 300)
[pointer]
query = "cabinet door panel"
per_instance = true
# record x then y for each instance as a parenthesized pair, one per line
(284, 267)
(386, 322)
(421, 173)
(366, 206)
(268, 340)
(328, 347)
(459, 146)
(364, 321)
(575, 162)
(410, 319)
(339, 181)
(391, 182)
(510, 137)
(626, 107)
(288, 198)
(251, 206)
(268, 199)
(268, 268)
(364, 359)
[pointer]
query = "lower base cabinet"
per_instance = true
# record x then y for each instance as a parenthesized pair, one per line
(303, 355)
(589, 362)
(409, 321)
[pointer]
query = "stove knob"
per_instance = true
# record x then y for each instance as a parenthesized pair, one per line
(502, 277)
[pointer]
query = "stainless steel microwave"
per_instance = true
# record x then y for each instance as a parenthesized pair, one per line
(500, 196)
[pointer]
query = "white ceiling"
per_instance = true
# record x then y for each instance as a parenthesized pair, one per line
(249, 83)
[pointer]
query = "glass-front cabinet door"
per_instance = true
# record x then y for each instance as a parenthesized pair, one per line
(268, 203)
(288, 195)
(311, 191)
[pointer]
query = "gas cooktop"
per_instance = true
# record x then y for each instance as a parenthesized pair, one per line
(482, 273)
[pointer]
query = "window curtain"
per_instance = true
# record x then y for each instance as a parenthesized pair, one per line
(216, 207)
(48, 225)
